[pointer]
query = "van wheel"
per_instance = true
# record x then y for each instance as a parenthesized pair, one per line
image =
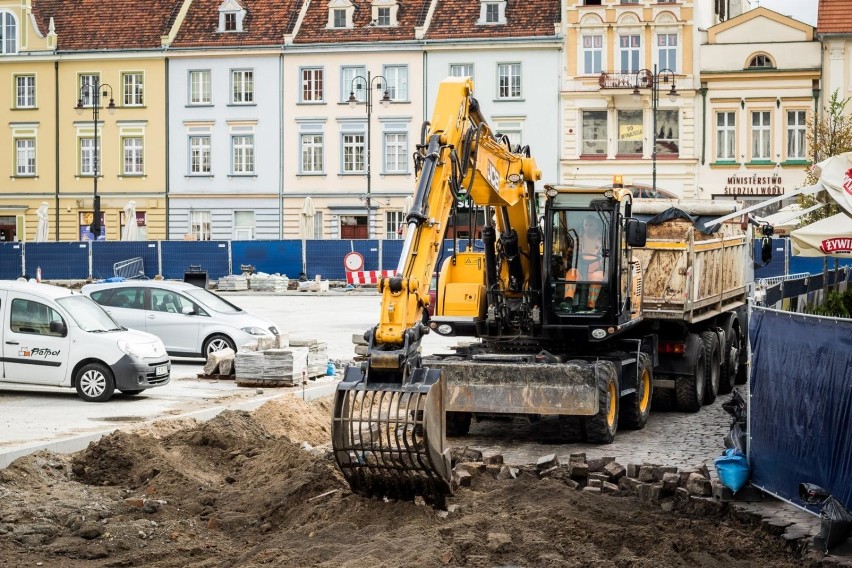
(636, 407)
(601, 428)
(217, 343)
(689, 389)
(95, 383)
(131, 392)
(712, 360)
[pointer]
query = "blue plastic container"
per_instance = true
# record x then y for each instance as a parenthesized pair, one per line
(329, 370)
(733, 469)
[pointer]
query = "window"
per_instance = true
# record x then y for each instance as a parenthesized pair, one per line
(629, 1)
(25, 157)
(87, 89)
(133, 157)
(591, 2)
(348, 84)
(592, 54)
(312, 153)
(242, 86)
(33, 317)
(312, 86)
(89, 163)
(353, 153)
(169, 301)
(511, 130)
(760, 61)
(630, 135)
(318, 225)
(339, 18)
(594, 132)
(127, 298)
(461, 70)
(230, 22)
(796, 129)
(726, 135)
(760, 135)
(244, 225)
(199, 87)
(394, 222)
(383, 17)
(668, 132)
(396, 152)
(492, 13)
(199, 225)
(667, 51)
(509, 81)
(25, 91)
(8, 33)
(396, 77)
(199, 155)
(243, 154)
(132, 83)
(628, 52)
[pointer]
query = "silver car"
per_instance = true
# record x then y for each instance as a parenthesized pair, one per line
(190, 320)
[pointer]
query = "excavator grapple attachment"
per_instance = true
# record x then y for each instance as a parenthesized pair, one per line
(388, 438)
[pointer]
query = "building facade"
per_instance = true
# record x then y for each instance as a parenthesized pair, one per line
(834, 30)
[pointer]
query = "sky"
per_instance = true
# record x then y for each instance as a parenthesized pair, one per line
(803, 10)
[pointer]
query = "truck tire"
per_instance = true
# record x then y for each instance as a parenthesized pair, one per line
(713, 362)
(689, 389)
(601, 428)
(636, 407)
(458, 423)
(570, 429)
(730, 358)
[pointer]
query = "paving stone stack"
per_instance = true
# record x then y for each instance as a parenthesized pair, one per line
(263, 282)
(317, 355)
(272, 367)
(232, 283)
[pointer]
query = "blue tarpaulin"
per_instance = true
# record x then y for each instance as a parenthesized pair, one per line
(800, 411)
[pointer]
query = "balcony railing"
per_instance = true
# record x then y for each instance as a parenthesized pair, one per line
(608, 80)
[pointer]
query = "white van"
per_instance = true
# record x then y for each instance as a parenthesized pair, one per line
(53, 336)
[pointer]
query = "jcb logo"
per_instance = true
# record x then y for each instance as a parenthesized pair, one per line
(493, 177)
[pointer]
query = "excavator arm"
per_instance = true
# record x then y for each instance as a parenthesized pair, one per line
(388, 424)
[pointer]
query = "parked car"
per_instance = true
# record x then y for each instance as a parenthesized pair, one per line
(191, 321)
(52, 336)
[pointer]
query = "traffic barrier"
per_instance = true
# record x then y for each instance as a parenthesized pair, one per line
(360, 277)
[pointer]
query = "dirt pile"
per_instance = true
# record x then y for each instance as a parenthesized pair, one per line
(246, 490)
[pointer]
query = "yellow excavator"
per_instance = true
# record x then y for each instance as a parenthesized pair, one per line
(545, 296)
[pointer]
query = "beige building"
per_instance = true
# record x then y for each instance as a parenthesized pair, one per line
(834, 30)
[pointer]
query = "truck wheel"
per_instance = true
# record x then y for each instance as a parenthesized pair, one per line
(601, 428)
(458, 423)
(689, 389)
(570, 429)
(712, 361)
(730, 359)
(636, 407)
(94, 383)
(742, 368)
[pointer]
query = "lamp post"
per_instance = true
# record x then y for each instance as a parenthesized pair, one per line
(92, 94)
(368, 83)
(653, 79)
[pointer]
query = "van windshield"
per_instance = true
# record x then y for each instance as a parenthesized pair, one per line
(88, 315)
(212, 301)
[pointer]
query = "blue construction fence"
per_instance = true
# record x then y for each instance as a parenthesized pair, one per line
(172, 259)
(783, 262)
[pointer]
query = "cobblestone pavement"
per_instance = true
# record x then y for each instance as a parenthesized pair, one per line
(684, 440)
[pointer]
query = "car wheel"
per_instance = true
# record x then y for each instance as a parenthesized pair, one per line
(95, 383)
(217, 343)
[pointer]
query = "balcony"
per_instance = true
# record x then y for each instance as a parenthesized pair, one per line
(641, 79)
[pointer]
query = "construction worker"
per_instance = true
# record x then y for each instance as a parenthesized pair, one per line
(590, 264)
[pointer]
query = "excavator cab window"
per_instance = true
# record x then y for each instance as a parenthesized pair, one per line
(580, 261)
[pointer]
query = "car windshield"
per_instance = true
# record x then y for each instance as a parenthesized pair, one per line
(88, 315)
(211, 300)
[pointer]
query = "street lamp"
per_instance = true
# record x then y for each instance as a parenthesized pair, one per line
(647, 78)
(378, 80)
(92, 94)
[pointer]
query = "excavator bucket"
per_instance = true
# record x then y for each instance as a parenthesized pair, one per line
(388, 438)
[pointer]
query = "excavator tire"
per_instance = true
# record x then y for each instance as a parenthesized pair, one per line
(689, 389)
(458, 423)
(570, 429)
(601, 428)
(712, 360)
(636, 407)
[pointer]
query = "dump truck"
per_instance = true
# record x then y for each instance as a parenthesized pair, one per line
(578, 314)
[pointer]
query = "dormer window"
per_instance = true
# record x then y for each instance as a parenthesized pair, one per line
(383, 13)
(384, 17)
(231, 16)
(492, 12)
(340, 18)
(760, 61)
(340, 14)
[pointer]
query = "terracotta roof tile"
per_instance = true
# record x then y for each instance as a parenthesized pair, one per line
(265, 23)
(834, 17)
(456, 19)
(411, 13)
(93, 25)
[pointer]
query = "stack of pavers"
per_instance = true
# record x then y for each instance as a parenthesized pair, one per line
(317, 355)
(232, 283)
(263, 282)
(274, 363)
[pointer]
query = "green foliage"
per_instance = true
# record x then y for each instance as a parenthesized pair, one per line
(828, 135)
(837, 304)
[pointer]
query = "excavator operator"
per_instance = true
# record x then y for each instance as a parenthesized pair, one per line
(589, 265)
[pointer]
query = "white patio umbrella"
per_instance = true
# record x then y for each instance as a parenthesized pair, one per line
(831, 236)
(835, 175)
(41, 228)
(131, 227)
(306, 227)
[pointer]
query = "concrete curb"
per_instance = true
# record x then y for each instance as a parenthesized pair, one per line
(77, 443)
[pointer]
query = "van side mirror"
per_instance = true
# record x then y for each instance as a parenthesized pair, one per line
(637, 232)
(58, 328)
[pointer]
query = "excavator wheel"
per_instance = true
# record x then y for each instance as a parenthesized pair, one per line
(570, 429)
(636, 407)
(601, 428)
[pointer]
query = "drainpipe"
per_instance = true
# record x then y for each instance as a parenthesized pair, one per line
(816, 92)
(168, 169)
(703, 91)
(281, 146)
(56, 141)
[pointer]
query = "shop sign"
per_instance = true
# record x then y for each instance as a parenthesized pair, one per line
(754, 184)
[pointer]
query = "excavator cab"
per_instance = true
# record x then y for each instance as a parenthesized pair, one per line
(580, 260)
